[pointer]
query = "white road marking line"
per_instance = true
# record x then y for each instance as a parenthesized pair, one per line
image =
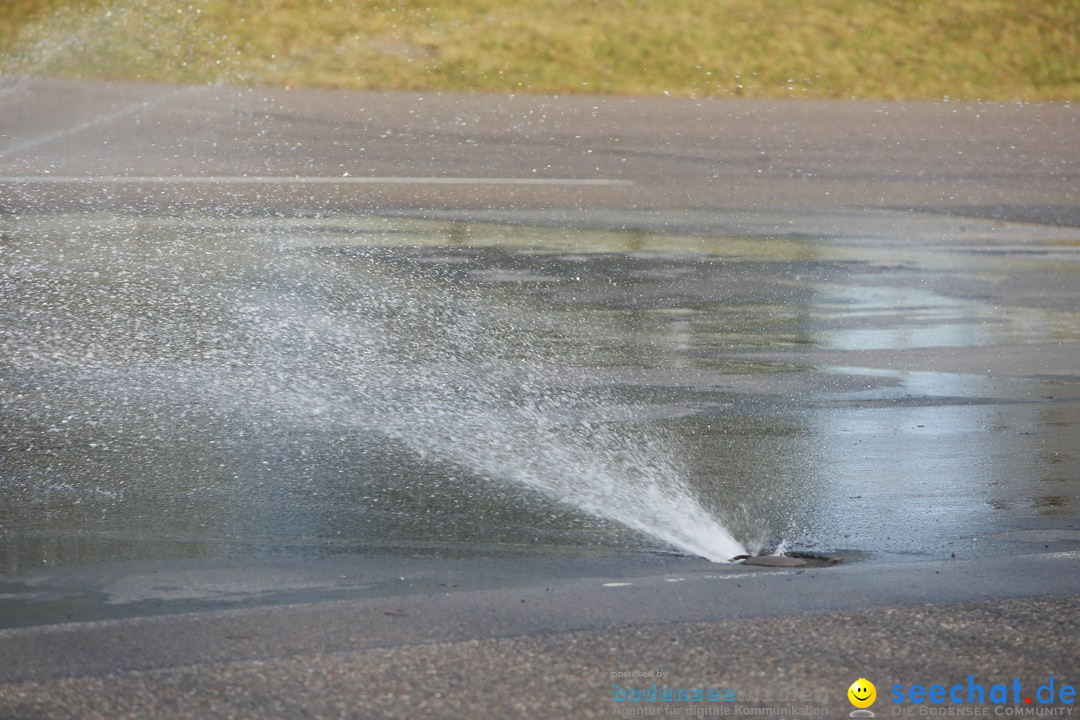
(100, 119)
(731, 576)
(744, 575)
(299, 180)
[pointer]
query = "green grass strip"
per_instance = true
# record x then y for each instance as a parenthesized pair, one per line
(895, 49)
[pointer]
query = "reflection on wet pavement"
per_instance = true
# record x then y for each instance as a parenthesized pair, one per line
(211, 387)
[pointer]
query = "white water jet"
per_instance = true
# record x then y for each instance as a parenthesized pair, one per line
(496, 401)
(261, 325)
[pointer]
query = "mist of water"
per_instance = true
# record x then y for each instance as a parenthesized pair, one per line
(281, 328)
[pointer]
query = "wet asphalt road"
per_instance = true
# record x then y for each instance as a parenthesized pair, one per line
(549, 648)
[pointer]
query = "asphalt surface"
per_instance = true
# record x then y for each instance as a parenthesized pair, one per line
(550, 647)
(1009, 161)
(555, 650)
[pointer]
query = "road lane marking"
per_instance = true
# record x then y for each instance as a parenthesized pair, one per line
(299, 180)
(95, 121)
(744, 575)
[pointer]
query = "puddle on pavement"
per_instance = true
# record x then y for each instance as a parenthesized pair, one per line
(220, 387)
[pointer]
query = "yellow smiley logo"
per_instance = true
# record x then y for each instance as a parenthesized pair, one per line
(862, 693)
